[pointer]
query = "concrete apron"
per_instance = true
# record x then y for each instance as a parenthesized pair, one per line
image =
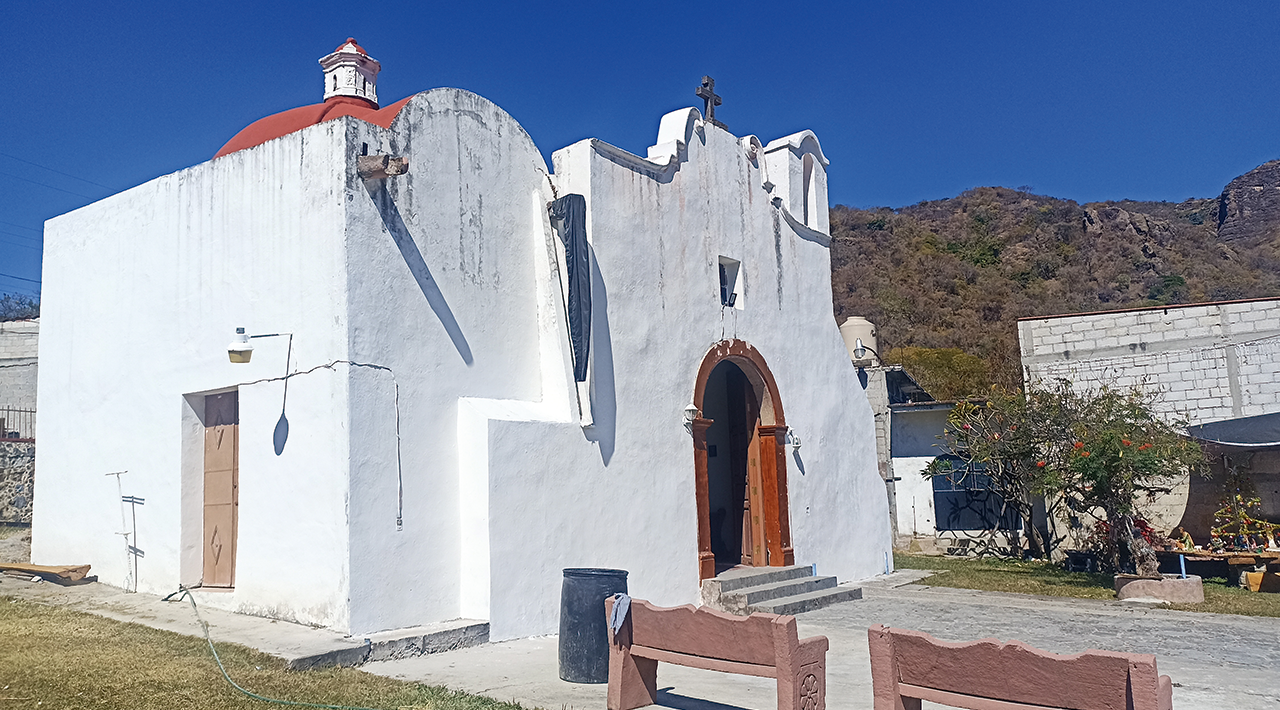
(302, 647)
(1215, 660)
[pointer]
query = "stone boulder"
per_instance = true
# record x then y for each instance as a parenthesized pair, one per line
(1169, 588)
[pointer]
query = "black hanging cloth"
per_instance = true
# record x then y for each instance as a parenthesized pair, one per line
(571, 211)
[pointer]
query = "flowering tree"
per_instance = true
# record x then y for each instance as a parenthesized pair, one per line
(1102, 452)
(999, 439)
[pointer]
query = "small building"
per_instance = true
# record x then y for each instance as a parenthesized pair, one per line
(453, 370)
(19, 351)
(1216, 367)
(909, 428)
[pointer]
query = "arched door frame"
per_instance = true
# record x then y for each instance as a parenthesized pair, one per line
(773, 456)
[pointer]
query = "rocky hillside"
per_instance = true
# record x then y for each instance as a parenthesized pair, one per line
(958, 273)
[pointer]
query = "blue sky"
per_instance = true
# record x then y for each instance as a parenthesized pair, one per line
(912, 101)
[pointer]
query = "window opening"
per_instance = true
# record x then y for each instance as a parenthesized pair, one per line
(730, 283)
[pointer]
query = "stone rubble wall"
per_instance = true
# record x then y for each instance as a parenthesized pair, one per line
(17, 481)
(1211, 361)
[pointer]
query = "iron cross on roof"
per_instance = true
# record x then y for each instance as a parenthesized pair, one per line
(707, 92)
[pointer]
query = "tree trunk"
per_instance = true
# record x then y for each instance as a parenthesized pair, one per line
(1145, 563)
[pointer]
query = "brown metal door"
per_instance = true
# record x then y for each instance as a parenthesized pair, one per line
(221, 489)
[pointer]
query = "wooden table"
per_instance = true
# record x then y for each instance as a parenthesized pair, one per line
(1237, 562)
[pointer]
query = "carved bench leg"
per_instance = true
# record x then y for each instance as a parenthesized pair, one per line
(806, 690)
(633, 682)
(884, 673)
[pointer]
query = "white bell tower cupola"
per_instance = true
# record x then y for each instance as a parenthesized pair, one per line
(351, 72)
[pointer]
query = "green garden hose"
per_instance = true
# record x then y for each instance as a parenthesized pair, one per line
(184, 592)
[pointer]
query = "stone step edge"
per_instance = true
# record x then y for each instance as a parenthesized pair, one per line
(753, 578)
(401, 643)
(823, 598)
(778, 590)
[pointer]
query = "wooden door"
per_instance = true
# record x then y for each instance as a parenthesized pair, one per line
(745, 464)
(221, 489)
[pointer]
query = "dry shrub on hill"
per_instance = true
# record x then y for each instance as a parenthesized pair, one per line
(959, 272)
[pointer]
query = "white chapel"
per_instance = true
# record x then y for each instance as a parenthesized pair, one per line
(376, 366)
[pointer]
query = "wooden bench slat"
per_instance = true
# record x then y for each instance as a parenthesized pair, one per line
(711, 664)
(959, 700)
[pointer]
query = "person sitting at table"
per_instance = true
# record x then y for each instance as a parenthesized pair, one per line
(1181, 539)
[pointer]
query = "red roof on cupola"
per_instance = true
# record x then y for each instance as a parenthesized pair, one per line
(347, 102)
(351, 41)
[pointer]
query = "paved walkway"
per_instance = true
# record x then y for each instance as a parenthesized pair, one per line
(1217, 662)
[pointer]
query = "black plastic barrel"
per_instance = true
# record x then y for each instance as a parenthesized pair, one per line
(584, 635)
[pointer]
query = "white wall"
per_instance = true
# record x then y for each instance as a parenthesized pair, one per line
(142, 293)
(625, 488)
(444, 290)
(915, 496)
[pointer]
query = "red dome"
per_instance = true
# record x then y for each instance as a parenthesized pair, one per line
(296, 119)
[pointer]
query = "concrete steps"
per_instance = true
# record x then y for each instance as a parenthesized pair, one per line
(777, 590)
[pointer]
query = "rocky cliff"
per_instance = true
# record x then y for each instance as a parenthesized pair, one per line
(1249, 207)
(958, 273)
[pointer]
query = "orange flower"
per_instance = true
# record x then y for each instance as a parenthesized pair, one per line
(1040, 464)
(1126, 442)
(1079, 444)
(1084, 453)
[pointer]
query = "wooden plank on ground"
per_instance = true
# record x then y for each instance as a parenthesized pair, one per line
(71, 573)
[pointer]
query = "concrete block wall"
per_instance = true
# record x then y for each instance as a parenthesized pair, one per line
(19, 342)
(1210, 361)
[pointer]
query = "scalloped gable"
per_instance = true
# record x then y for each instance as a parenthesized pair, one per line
(805, 141)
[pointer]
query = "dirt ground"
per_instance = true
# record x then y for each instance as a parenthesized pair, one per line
(15, 544)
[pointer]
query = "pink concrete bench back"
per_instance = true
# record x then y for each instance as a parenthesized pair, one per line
(764, 645)
(910, 666)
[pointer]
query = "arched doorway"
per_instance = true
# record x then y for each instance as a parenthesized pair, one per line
(740, 465)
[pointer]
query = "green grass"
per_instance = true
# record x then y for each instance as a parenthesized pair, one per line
(66, 659)
(995, 575)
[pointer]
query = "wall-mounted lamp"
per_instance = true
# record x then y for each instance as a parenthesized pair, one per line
(793, 439)
(241, 350)
(690, 413)
(860, 354)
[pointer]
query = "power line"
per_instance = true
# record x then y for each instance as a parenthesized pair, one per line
(16, 244)
(46, 167)
(34, 281)
(51, 187)
(22, 236)
(19, 226)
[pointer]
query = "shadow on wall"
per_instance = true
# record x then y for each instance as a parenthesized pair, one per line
(604, 398)
(281, 433)
(417, 265)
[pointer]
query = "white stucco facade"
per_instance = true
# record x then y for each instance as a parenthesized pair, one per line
(452, 278)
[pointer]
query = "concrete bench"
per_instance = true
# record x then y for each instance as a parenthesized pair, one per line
(763, 645)
(908, 667)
